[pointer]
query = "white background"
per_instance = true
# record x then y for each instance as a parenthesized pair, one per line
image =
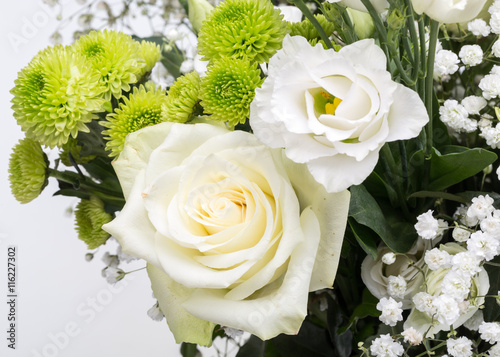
(64, 307)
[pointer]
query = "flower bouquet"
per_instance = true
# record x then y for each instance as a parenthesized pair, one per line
(321, 178)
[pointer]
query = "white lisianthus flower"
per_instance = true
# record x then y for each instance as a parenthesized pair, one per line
(475, 321)
(333, 110)
(234, 233)
(449, 11)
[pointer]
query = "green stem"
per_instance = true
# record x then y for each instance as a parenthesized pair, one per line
(414, 39)
(379, 26)
(429, 81)
(421, 33)
(307, 13)
(82, 183)
(386, 151)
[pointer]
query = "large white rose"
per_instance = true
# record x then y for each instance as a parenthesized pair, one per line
(449, 11)
(234, 233)
(333, 110)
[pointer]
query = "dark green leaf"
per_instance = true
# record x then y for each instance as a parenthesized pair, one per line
(172, 60)
(452, 168)
(189, 349)
(365, 210)
(439, 194)
(365, 237)
(72, 193)
(254, 347)
(311, 341)
(491, 309)
(342, 340)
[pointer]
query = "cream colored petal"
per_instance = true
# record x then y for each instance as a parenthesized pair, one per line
(331, 210)
(339, 172)
(407, 115)
(136, 152)
(184, 326)
(133, 222)
(280, 308)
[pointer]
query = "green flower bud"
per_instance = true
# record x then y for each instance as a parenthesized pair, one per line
(363, 23)
(89, 219)
(27, 170)
(198, 12)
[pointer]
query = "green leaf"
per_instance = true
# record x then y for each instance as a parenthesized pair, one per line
(254, 347)
(342, 340)
(365, 237)
(366, 211)
(172, 60)
(491, 309)
(456, 165)
(311, 341)
(189, 349)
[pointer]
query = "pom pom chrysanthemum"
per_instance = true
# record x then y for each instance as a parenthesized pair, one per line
(141, 109)
(182, 98)
(116, 56)
(151, 53)
(251, 29)
(27, 170)
(89, 219)
(229, 88)
(55, 95)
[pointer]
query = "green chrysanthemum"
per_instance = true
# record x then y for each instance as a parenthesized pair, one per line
(72, 147)
(306, 28)
(141, 109)
(89, 219)
(55, 95)
(27, 170)
(116, 56)
(151, 53)
(251, 29)
(229, 88)
(182, 98)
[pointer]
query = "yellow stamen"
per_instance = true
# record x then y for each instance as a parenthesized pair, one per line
(330, 108)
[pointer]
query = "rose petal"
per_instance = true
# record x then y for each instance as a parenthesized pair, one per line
(136, 152)
(280, 308)
(133, 222)
(184, 326)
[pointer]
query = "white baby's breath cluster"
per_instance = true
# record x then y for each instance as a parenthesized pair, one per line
(454, 287)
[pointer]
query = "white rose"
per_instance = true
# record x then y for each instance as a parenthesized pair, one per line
(333, 110)
(376, 274)
(234, 233)
(449, 11)
(425, 323)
